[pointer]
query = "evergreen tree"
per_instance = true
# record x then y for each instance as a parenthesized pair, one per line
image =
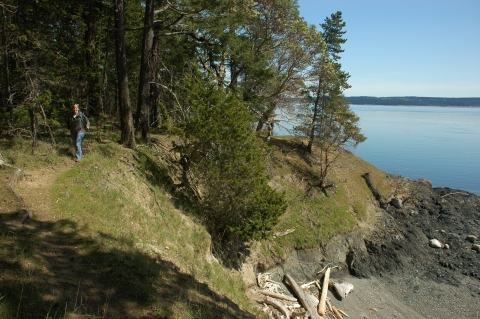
(126, 119)
(333, 33)
(227, 165)
(330, 124)
(143, 107)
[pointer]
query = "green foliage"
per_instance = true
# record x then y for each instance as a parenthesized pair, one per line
(332, 34)
(227, 160)
(329, 123)
(21, 117)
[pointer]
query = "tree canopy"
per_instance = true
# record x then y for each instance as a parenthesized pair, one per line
(212, 72)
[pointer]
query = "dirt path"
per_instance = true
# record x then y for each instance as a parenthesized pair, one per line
(52, 272)
(35, 189)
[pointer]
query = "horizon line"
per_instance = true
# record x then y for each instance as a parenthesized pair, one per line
(416, 96)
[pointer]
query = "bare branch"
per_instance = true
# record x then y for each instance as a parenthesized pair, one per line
(9, 8)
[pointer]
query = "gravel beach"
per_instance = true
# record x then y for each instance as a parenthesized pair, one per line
(418, 260)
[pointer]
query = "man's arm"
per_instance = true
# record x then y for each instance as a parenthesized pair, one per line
(87, 122)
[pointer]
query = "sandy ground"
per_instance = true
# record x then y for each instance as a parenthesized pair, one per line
(407, 297)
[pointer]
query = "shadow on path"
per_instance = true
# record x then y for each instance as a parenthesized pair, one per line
(49, 270)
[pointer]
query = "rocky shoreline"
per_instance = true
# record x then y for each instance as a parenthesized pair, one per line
(407, 239)
(397, 264)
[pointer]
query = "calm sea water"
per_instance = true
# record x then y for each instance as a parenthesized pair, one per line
(441, 144)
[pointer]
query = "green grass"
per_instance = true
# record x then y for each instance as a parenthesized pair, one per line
(139, 249)
(317, 217)
(109, 199)
(117, 241)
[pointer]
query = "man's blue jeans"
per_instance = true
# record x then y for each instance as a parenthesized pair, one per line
(77, 141)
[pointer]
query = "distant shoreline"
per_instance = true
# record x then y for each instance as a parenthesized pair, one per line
(406, 101)
(459, 106)
(414, 101)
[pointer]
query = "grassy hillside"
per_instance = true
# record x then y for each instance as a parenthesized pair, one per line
(109, 238)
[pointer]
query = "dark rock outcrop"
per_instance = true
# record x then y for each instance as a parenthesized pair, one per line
(401, 242)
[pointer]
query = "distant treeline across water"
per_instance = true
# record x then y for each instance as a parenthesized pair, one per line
(414, 100)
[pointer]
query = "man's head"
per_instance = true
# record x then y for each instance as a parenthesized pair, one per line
(75, 107)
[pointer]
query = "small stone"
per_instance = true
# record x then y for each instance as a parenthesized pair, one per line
(476, 247)
(471, 238)
(397, 203)
(435, 243)
(446, 246)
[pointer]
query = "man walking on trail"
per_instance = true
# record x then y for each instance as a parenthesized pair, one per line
(78, 123)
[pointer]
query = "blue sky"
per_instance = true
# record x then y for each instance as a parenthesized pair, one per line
(407, 47)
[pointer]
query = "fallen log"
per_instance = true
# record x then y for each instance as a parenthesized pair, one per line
(337, 314)
(278, 296)
(374, 190)
(298, 314)
(277, 304)
(343, 313)
(301, 295)
(323, 297)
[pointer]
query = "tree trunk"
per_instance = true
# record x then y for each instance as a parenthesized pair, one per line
(47, 126)
(314, 118)
(8, 102)
(89, 19)
(30, 87)
(155, 86)
(127, 138)
(104, 103)
(33, 126)
(143, 107)
(265, 116)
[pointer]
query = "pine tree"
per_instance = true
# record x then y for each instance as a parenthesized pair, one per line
(228, 165)
(333, 33)
(331, 124)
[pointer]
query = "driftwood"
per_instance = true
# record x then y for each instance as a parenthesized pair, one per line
(323, 297)
(337, 314)
(302, 297)
(278, 296)
(342, 289)
(343, 313)
(322, 271)
(277, 304)
(374, 190)
(329, 305)
(298, 314)
(264, 282)
(327, 266)
(308, 284)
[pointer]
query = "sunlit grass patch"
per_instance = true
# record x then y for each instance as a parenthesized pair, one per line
(114, 201)
(317, 216)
